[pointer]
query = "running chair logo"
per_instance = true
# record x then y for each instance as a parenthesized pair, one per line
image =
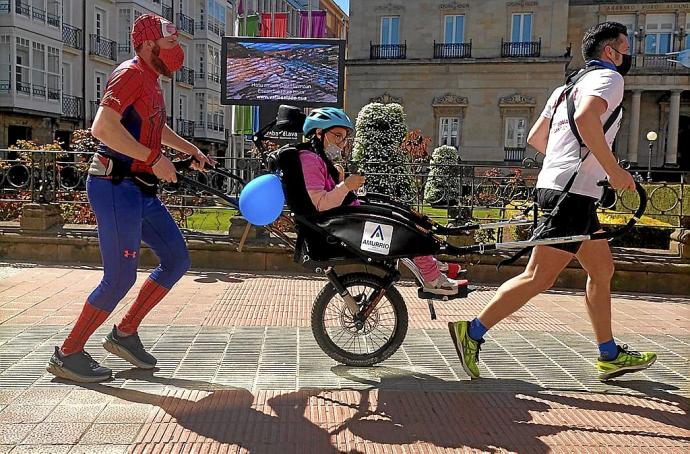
(377, 238)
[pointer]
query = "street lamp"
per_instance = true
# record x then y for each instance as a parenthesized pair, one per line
(651, 137)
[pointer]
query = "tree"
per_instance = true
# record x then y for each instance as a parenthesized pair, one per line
(443, 186)
(380, 131)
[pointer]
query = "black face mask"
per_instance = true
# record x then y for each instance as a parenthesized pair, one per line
(625, 65)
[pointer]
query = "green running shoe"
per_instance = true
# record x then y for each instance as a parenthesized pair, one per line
(467, 348)
(627, 361)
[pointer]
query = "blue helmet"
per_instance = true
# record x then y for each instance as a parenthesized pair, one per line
(325, 118)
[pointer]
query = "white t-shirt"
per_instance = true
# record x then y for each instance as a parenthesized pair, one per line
(563, 150)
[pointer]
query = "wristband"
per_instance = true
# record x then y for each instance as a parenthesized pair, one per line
(153, 157)
(156, 159)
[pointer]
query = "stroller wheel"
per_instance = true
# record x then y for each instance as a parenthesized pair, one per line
(351, 339)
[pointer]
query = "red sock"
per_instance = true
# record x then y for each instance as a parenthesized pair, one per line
(89, 320)
(150, 294)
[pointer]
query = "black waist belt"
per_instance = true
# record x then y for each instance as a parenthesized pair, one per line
(104, 166)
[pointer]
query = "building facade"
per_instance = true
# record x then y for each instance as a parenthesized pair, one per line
(476, 74)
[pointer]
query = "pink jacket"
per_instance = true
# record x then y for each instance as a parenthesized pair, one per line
(323, 191)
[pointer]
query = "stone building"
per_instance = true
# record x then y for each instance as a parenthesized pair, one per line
(476, 74)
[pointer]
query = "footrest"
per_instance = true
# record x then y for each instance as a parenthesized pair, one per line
(463, 291)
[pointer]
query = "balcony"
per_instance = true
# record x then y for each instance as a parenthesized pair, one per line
(5, 85)
(125, 47)
(212, 26)
(94, 108)
(53, 94)
(38, 14)
(5, 7)
(72, 37)
(185, 24)
(656, 64)
(214, 77)
(72, 107)
(23, 88)
(520, 49)
(53, 20)
(514, 154)
(388, 51)
(185, 128)
(453, 50)
(103, 47)
(167, 12)
(39, 90)
(22, 8)
(185, 75)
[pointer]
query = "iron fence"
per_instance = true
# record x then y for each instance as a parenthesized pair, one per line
(453, 50)
(72, 36)
(450, 194)
(103, 47)
(388, 51)
(520, 49)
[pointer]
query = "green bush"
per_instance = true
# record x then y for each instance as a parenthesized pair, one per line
(381, 129)
(442, 186)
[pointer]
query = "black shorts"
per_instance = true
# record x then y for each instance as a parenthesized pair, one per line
(577, 215)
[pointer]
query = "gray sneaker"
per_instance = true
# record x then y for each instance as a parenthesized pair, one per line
(129, 348)
(79, 367)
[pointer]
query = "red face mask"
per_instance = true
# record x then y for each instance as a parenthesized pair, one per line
(172, 58)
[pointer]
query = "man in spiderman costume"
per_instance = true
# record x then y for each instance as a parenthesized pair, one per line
(123, 177)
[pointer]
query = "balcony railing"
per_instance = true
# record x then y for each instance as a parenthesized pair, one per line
(521, 49)
(103, 47)
(23, 88)
(53, 20)
(167, 12)
(53, 94)
(5, 85)
(185, 23)
(72, 107)
(214, 77)
(125, 47)
(185, 75)
(453, 50)
(388, 51)
(5, 7)
(217, 28)
(38, 14)
(22, 8)
(185, 128)
(94, 108)
(515, 154)
(39, 90)
(201, 126)
(72, 37)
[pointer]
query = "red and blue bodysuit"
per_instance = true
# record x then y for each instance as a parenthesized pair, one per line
(125, 214)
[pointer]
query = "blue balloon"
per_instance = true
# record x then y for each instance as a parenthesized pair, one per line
(262, 200)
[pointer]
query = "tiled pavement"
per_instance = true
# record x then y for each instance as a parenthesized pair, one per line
(239, 371)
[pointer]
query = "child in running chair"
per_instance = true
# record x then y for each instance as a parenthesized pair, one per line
(329, 128)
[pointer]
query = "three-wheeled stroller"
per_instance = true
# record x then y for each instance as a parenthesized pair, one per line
(359, 318)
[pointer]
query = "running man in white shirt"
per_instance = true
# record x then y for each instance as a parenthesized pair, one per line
(595, 96)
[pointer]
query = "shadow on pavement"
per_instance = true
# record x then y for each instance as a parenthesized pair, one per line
(399, 408)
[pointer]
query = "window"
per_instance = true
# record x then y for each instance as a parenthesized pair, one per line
(67, 12)
(5, 63)
(659, 37)
(100, 22)
(201, 104)
(214, 63)
(516, 132)
(38, 69)
(99, 86)
(629, 21)
(454, 30)
(390, 30)
(53, 73)
(449, 131)
(66, 79)
(181, 7)
(125, 28)
(522, 28)
(182, 107)
(22, 67)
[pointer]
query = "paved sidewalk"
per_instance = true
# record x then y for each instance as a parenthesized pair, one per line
(239, 371)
